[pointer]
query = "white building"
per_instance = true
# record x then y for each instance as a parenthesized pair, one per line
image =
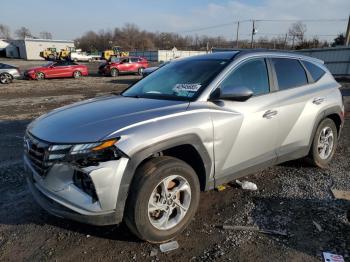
(165, 55)
(3, 45)
(30, 49)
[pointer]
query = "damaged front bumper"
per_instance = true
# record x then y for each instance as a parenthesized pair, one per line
(58, 193)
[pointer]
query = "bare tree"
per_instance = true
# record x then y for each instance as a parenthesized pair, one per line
(45, 35)
(297, 32)
(5, 31)
(23, 32)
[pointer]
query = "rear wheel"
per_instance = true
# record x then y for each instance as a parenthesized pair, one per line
(77, 74)
(324, 143)
(114, 72)
(140, 71)
(163, 200)
(39, 76)
(5, 78)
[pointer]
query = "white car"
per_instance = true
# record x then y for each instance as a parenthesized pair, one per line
(80, 56)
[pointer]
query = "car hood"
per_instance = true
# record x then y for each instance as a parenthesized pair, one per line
(94, 119)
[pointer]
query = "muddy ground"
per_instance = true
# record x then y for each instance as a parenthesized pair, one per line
(291, 197)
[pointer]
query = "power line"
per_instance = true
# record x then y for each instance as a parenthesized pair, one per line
(262, 20)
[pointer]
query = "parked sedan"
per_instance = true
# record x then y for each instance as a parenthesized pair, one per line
(8, 73)
(122, 65)
(57, 69)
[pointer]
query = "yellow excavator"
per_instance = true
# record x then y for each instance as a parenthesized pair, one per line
(115, 51)
(51, 53)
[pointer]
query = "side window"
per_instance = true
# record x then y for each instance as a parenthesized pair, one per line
(134, 59)
(315, 71)
(252, 74)
(290, 73)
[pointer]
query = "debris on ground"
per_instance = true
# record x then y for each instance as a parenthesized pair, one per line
(153, 253)
(247, 185)
(221, 188)
(166, 247)
(339, 194)
(329, 257)
(256, 229)
(318, 226)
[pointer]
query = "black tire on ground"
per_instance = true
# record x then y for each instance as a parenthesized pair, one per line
(140, 71)
(39, 76)
(5, 78)
(114, 72)
(147, 178)
(77, 74)
(316, 151)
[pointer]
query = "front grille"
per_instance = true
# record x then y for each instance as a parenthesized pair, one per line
(37, 152)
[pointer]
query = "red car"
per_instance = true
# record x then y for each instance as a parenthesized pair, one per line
(57, 69)
(122, 65)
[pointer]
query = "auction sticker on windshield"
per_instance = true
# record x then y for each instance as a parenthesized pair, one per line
(187, 87)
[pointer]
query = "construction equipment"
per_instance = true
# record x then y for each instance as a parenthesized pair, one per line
(115, 51)
(51, 53)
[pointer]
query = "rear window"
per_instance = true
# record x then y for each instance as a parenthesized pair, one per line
(315, 71)
(290, 73)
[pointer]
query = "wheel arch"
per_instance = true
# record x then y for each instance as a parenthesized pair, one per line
(195, 155)
(333, 113)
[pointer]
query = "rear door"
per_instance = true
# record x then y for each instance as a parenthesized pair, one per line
(295, 106)
(245, 132)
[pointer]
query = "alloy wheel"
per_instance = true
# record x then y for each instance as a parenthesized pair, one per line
(169, 202)
(325, 142)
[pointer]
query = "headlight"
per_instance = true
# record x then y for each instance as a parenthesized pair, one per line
(85, 154)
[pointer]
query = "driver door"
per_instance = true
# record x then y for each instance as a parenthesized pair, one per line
(124, 65)
(245, 132)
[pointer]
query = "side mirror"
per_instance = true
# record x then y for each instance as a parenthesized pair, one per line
(233, 93)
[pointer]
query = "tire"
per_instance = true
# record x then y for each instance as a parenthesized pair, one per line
(140, 71)
(114, 72)
(5, 78)
(77, 74)
(147, 190)
(324, 143)
(39, 76)
(52, 57)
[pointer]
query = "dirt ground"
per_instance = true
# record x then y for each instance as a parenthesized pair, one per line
(291, 197)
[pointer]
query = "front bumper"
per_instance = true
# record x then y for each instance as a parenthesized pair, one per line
(57, 194)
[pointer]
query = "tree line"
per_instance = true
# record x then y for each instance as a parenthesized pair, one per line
(131, 37)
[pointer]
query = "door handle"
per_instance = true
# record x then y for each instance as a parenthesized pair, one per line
(318, 100)
(269, 114)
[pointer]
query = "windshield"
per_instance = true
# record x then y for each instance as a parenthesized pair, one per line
(48, 64)
(115, 59)
(178, 80)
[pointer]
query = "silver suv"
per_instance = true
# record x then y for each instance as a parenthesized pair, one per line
(144, 156)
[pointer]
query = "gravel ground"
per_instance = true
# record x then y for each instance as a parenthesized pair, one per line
(291, 197)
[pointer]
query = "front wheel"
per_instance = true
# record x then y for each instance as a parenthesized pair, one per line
(39, 76)
(324, 143)
(114, 72)
(163, 200)
(77, 74)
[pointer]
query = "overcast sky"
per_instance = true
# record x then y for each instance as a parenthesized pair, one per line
(69, 19)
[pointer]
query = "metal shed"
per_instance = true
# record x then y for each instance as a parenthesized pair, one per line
(337, 59)
(30, 49)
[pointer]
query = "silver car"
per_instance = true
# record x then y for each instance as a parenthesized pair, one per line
(145, 155)
(8, 73)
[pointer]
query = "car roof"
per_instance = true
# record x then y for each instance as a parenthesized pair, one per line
(267, 52)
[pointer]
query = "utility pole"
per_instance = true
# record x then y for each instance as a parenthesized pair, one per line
(253, 33)
(347, 37)
(237, 33)
(285, 41)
